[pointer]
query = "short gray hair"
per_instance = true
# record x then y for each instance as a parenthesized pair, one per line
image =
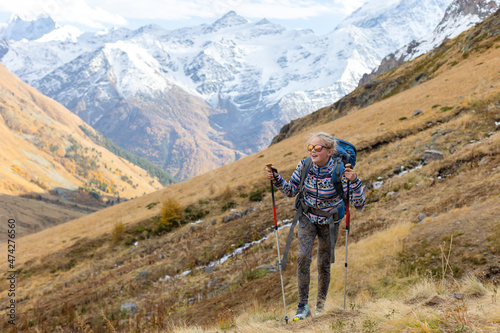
(328, 139)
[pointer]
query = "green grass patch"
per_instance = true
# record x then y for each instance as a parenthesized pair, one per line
(228, 205)
(151, 205)
(252, 274)
(446, 108)
(256, 195)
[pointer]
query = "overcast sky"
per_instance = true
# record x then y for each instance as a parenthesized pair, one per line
(319, 15)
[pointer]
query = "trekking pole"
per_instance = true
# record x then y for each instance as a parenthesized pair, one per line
(269, 166)
(347, 227)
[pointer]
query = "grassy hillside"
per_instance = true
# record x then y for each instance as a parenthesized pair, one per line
(153, 170)
(49, 154)
(423, 255)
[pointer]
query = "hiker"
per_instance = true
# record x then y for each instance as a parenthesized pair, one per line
(323, 207)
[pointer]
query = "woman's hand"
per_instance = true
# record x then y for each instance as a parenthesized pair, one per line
(350, 174)
(269, 172)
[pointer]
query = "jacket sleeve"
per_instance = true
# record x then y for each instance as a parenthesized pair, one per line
(290, 188)
(357, 195)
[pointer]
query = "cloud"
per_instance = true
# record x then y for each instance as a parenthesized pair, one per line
(73, 11)
(80, 11)
(274, 9)
(187, 9)
(97, 13)
(348, 6)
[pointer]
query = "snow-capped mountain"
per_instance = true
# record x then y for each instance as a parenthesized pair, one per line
(226, 87)
(31, 28)
(459, 16)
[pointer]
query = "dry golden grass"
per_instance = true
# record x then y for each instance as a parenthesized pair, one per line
(370, 258)
(433, 312)
(437, 314)
(471, 286)
(425, 288)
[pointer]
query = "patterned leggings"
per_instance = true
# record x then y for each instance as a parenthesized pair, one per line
(306, 235)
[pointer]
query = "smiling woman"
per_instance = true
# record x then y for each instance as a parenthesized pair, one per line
(320, 148)
(320, 208)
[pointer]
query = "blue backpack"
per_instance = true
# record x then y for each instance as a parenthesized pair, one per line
(346, 151)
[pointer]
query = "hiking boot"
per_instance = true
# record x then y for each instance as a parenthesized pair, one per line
(302, 312)
(320, 308)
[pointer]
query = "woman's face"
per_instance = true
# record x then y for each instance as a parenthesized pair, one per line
(320, 158)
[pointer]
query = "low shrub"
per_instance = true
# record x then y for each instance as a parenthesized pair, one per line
(228, 205)
(171, 212)
(256, 195)
(118, 232)
(192, 213)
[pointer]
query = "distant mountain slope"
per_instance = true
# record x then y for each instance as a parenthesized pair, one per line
(47, 151)
(22, 27)
(459, 16)
(36, 213)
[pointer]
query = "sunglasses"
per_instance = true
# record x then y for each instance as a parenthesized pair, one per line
(316, 148)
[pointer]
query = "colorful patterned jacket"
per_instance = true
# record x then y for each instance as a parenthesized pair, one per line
(319, 191)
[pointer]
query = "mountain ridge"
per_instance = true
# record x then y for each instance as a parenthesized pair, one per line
(459, 16)
(253, 77)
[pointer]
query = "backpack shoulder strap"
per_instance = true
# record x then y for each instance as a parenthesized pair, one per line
(299, 209)
(305, 170)
(306, 166)
(296, 218)
(337, 179)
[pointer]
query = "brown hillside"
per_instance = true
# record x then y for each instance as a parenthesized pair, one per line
(423, 255)
(45, 155)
